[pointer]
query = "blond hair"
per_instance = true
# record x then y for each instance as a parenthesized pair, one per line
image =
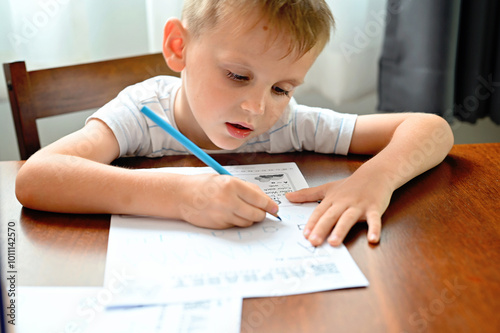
(307, 23)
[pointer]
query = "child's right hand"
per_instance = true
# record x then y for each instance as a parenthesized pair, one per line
(220, 201)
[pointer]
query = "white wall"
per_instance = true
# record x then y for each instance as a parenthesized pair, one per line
(51, 33)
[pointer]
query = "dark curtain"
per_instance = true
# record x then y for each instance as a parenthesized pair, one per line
(441, 57)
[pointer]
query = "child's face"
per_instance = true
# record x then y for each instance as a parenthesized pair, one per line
(235, 87)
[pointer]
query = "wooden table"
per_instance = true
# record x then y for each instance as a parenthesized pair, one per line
(436, 269)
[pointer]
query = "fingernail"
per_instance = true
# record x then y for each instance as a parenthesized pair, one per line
(372, 238)
(307, 232)
(314, 239)
(333, 239)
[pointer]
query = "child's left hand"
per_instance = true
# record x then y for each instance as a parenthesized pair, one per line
(344, 203)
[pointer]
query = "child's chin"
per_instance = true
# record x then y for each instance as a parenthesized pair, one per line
(230, 145)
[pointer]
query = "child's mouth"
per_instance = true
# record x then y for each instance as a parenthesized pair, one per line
(238, 130)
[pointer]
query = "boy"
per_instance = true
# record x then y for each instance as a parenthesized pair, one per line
(235, 94)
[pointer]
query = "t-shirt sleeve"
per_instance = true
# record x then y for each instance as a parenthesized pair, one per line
(123, 117)
(130, 127)
(333, 132)
(313, 129)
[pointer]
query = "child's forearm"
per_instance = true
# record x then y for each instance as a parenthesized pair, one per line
(69, 184)
(416, 146)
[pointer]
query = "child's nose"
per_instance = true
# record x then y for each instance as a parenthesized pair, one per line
(254, 102)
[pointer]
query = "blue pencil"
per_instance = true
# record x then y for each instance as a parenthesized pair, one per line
(207, 159)
(193, 148)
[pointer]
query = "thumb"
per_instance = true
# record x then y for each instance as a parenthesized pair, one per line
(306, 195)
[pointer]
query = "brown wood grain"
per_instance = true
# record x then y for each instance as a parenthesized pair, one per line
(436, 268)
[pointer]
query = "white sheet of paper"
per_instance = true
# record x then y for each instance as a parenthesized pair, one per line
(83, 310)
(168, 260)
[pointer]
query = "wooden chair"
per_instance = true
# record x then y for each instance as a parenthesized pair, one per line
(55, 91)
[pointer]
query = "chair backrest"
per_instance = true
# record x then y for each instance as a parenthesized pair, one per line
(55, 91)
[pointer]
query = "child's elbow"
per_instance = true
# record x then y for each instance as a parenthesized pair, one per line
(447, 133)
(441, 133)
(25, 189)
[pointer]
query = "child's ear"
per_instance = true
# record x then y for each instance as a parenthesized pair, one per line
(174, 42)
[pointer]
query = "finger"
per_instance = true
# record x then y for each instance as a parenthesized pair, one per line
(224, 220)
(306, 195)
(254, 196)
(374, 221)
(248, 212)
(350, 217)
(324, 225)
(211, 221)
(241, 222)
(317, 213)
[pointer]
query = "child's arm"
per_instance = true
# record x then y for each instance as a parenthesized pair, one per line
(405, 145)
(72, 175)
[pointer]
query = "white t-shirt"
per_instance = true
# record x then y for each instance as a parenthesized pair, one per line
(299, 128)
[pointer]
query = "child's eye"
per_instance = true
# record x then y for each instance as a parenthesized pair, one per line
(236, 77)
(281, 92)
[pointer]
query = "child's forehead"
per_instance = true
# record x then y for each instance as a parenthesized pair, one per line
(239, 20)
(249, 24)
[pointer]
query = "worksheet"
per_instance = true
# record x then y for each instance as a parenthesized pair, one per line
(173, 261)
(85, 310)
